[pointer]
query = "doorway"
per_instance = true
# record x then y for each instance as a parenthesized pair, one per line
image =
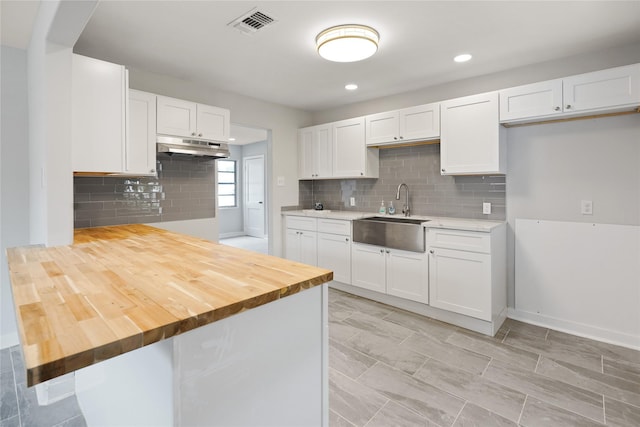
(244, 223)
(254, 196)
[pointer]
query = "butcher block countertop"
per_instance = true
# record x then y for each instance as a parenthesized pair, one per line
(119, 288)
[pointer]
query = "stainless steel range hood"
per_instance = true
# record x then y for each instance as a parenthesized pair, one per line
(193, 147)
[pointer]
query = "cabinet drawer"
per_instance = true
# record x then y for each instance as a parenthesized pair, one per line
(334, 226)
(462, 240)
(301, 223)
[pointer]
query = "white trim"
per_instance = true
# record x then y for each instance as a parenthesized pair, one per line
(580, 329)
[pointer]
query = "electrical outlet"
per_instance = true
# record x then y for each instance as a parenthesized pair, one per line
(281, 181)
(586, 207)
(486, 208)
(352, 201)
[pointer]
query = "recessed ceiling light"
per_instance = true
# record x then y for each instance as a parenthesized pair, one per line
(351, 86)
(462, 58)
(347, 43)
(231, 139)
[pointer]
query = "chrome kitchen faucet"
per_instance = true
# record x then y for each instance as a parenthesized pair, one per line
(406, 210)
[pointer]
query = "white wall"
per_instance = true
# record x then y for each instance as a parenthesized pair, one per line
(529, 74)
(14, 177)
(230, 220)
(283, 122)
(552, 167)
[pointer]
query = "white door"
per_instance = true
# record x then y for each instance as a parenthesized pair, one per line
(254, 196)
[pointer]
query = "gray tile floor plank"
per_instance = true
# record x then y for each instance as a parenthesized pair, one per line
(447, 353)
(565, 396)
(393, 414)
(489, 347)
(555, 350)
(10, 422)
(33, 414)
(617, 388)
(538, 413)
(431, 402)
(388, 352)
(353, 401)
(525, 328)
(348, 361)
(375, 325)
(336, 420)
(620, 414)
(487, 394)
(8, 396)
(588, 345)
(622, 369)
(422, 324)
(475, 416)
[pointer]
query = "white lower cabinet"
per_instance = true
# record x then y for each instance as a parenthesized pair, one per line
(467, 272)
(301, 240)
(391, 271)
(334, 248)
(461, 282)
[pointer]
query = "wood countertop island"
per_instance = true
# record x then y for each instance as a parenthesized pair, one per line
(117, 289)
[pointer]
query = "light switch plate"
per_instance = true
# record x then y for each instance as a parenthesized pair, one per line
(586, 207)
(281, 181)
(352, 201)
(486, 208)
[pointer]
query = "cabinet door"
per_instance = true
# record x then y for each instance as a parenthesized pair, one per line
(322, 151)
(306, 158)
(292, 245)
(349, 155)
(530, 101)
(460, 281)
(408, 275)
(610, 88)
(334, 253)
(308, 247)
(382, 128)
(368, 267)
(176, 117)
(98, 114)
(420, 123)
(470, 136)
(140, 156)
(212, 123)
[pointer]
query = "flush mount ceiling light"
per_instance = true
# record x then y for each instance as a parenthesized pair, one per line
(347, 43)
(351, 86)
(463, 58)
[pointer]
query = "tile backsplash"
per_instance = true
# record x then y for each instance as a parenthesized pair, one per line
(184, 189)
(430, 192)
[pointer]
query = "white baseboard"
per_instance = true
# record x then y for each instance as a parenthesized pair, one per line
(579, 329)
(232, 234)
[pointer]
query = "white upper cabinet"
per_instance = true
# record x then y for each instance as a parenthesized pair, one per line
(472, 142)
(315, 147)
(140, 155)
(98, 131)
(614, 89)
(534, 100)
(178, 117)
(421, 123)
(351, 157)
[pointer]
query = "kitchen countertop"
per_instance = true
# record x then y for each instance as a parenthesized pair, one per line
(119, 288)
(465, 224)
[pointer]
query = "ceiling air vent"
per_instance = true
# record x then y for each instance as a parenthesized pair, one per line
(252, 21)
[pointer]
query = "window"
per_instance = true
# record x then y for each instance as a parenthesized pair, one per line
(227, 183)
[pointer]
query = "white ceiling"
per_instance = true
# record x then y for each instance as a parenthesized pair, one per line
(418, 39)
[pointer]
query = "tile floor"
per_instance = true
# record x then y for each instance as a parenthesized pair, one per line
(391, 368)
(388, 367)
(255, 244)
(19, 405)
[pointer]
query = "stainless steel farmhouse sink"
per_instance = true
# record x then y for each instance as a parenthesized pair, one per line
(397, 233)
